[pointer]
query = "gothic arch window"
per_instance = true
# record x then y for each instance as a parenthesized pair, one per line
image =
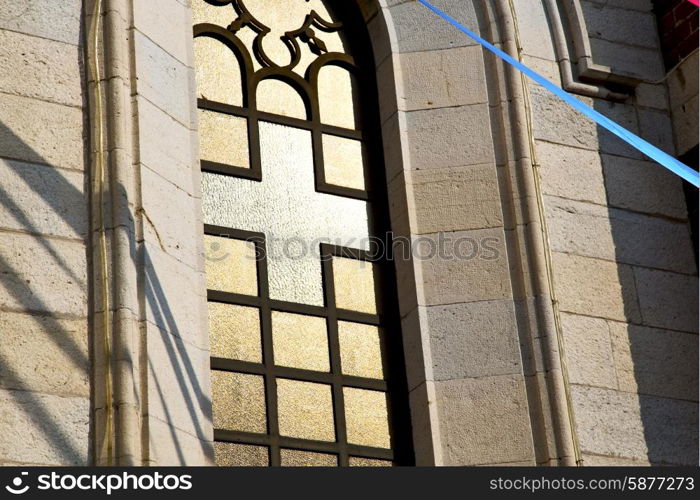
(306, 360)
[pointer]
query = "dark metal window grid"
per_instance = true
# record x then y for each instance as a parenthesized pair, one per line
(401, 452)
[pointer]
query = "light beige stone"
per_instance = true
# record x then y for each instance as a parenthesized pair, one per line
(453, 199)
(42, 274)
(571, 173)
(534, 29)
(50, 136)
(594, 287)
(169, 446)
(44, 69)
(484, 420)
(655, 127)
(639, 63)
(622, 26)
(44, 429)
(651, 95)
(668, 300)
(605, 461)
(62, 367)
(475, 266)
(60, 21)
(425, 425)
(171, 32)
(589, 356)
(42, 200)
(449, 137)
(655, 362)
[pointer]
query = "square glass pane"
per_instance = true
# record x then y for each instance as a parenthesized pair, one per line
(366, 417)
(368, 462)
(299, 458)
(240, 455)
(234, 332)
(343, 162)
(274, 96)
(230, 265)
(354, 282)
(305, 410)
(223, 138)
(238, 401)
(217, 71)
(361, 350)
(300, 341)
(337, 96)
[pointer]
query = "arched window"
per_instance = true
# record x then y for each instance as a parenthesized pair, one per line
(306, 352)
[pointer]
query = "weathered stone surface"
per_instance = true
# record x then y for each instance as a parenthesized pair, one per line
(169, 31)
(595, 287)
(655, 127)
(473, 340)
(178, 383)
(534, 30)
(655, 362)
(605, 461)
(685, 125)
(425, 425)
(668, 300)
(652, 95)
(571, 173)
(443, 78)
(449, 137)
(453, 199)
(44, 429)
(643, 186)
(41, 274)
(627, 60)
(683, 80)
(589, 356)
(40, 68)
(49, 137)
(41, 199)
(475, 266)
(620, 25)
(620, 424)
(618, 235)
(474, 415)
(169, 446)
(60, 21)
(63, 365)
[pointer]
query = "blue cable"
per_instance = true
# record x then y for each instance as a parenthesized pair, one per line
(648, 149)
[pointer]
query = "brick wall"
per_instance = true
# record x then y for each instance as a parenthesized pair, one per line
(678, 29)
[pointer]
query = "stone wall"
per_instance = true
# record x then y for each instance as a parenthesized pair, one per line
(44, 223)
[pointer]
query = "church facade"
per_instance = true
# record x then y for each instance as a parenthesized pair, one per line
(306, 232)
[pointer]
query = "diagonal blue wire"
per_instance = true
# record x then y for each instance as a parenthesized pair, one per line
(633, 140)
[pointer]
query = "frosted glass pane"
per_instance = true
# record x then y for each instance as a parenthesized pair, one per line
(368, 462)
(235, 332)
(230, 265)
(343, 162)
(360, 350)
(366, 417)
(238, 401)
(354, 285)
(337, 97)
(240, 455)
(223, 138)
(203, 12)
(277, 97)
(286, 206)
(300, 341)
(298, 458)
(217, 72)
(305, 410)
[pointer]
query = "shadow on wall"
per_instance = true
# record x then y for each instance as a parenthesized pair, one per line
(654, 341)
(63, 429)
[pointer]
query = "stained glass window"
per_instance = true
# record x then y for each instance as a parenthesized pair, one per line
(299, 321)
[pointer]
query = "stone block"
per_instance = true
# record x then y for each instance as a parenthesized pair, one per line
(571, 173)
(606, 461)
(685, 125)
(639, 63)
(478, 339)
(484, 420)
(60, 21)
(652, 95)
(442, 78)
(655, 362)
(40, 68)
(41, 274)
(631, 27)
(389, 87)
(683, 80)
(171, 32)
(425, 425)
(179, 390)
(533, 24)
(655, 127)
(473, 266)
(169, 446)
(589, 356)
(44, 429)
(42, 200)
(644, 428)
(44, 354)
(668, 300)
(416, 347)
(453, 199)
(450, 137)
(54, 135)
(595, 287)
(643, 186)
